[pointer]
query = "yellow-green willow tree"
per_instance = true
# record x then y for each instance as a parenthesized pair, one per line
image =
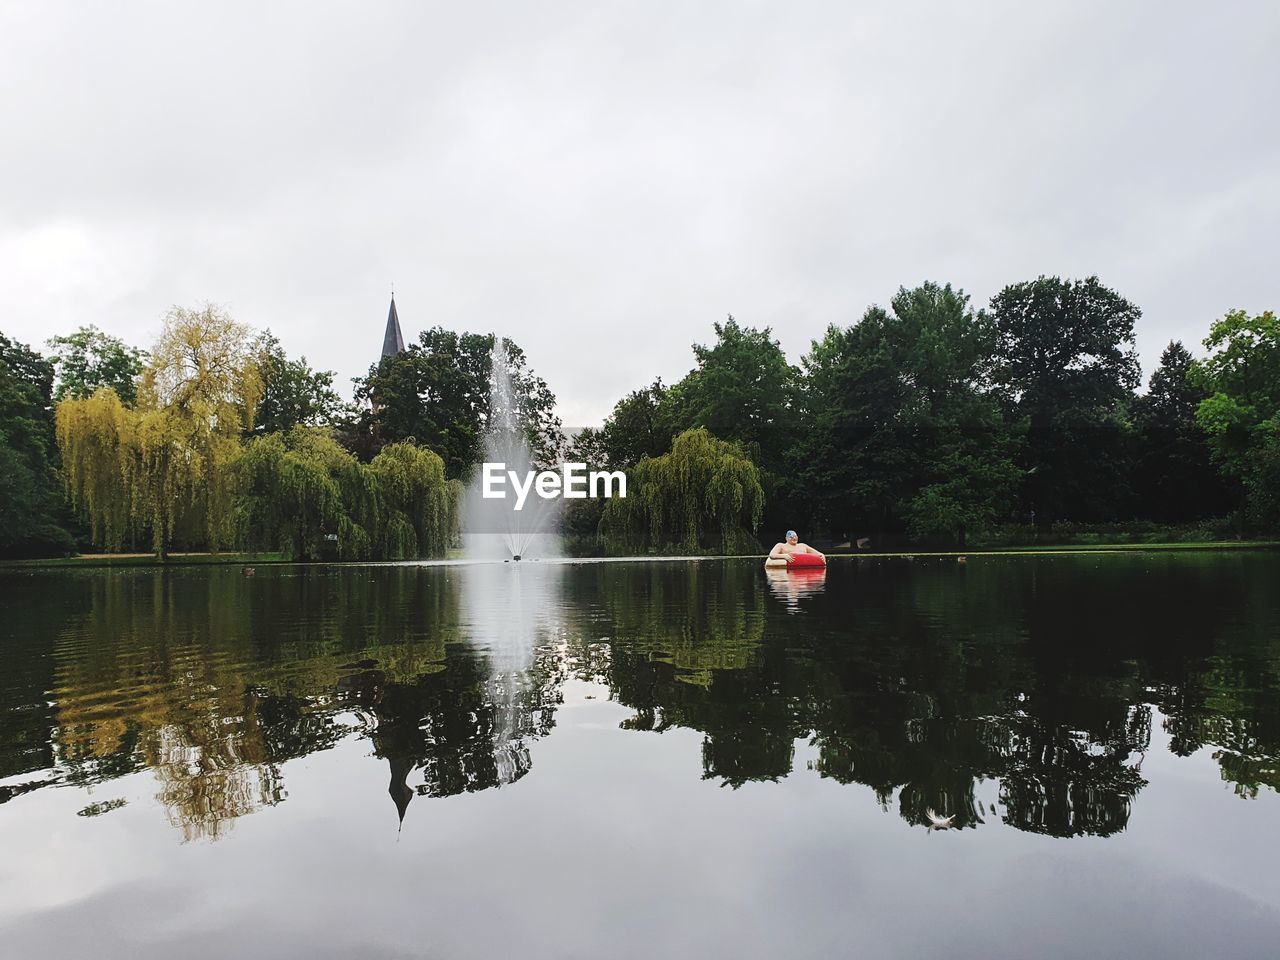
(170, 459)
(96, 435)
(702, 497)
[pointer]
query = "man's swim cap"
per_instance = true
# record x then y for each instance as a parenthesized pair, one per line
(790, 534)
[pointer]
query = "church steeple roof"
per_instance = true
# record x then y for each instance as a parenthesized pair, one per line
(393, 339)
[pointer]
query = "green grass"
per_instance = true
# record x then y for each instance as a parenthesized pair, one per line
(149, 560)
(1073, 548)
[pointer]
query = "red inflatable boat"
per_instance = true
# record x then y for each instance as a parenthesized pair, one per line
(807, 560)
(798, 560)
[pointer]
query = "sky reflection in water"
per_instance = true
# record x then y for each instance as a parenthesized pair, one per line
(650, 759)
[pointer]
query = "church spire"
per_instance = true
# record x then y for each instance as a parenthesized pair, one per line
(393, 339)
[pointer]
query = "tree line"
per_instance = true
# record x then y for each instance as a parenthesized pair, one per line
(927, 420)
(211, 440)
(932, 421)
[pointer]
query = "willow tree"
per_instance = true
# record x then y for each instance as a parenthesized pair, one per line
(418, 515)
(294, 491)
(171, 457)
(704, 496)
(289, 496)
(97, 436)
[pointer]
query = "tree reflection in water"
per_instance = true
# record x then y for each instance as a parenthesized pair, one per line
(920, 680)
(917, 681)
(212, 681)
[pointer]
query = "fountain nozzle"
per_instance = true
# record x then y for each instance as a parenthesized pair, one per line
(515, 556)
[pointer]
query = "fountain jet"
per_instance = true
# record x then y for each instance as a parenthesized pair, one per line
(492, 529)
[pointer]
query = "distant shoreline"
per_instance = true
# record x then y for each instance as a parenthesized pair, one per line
(251, 559)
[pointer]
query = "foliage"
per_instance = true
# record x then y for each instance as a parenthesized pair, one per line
(418, 515)
(703, 496)
(30, 523)
(1241, 412)
(170, 459)
(297, 489)
(292, 393)
(1174, 476)
(97, 437)
(31, 512)
(924, 419)
(26, 382)
(900, 430)
(847, 457)
(89, 359)
(641, 425)
(175, 465)
(1066, 368)
(580, 527)
(290, 496)
(580, 519)
(437, 392)
(742, 389)
(588, 447)
(203, 366)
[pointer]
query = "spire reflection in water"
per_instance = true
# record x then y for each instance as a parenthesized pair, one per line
(466, 726)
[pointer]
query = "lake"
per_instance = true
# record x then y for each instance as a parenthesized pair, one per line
(644, 759)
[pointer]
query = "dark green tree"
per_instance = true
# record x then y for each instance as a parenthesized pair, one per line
(580, 519)
(293, 394)
(32, 508)
(588, 447)
(641, 425)
(1066, 368)
(743, 389)
(89, 359)
(848, 458)
(437, 392)
(1176, 480)
(900, 431)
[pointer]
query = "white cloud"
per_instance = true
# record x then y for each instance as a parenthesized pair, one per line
(603, 181)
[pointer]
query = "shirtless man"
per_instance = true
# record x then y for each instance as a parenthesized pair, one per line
(784, 551)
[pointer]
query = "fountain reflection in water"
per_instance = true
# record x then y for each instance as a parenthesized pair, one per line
(509, 607)
(511, 615)
(493, 529)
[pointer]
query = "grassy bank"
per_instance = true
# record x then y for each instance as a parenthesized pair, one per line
(1135, 532)
(1070, 548)
(1002, 551)
(205, 559)
(148, 560)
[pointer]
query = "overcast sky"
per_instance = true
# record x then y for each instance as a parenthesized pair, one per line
(602, 181)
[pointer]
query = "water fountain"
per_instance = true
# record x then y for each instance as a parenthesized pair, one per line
(493, 529)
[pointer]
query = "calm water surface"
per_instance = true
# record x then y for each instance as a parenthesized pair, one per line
(669, 759)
